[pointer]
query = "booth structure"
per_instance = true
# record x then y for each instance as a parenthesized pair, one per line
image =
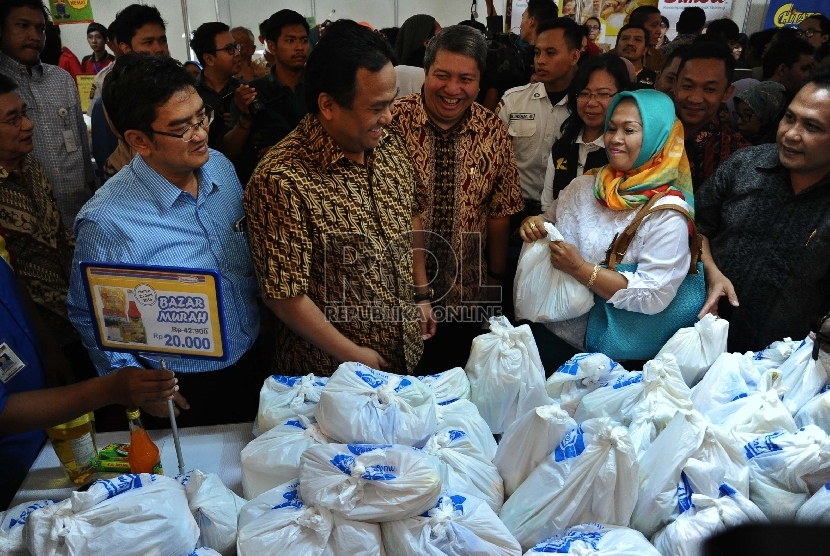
(750, 15)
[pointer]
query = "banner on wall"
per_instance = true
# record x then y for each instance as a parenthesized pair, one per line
(790, 14)
(71, 11)
(715, 9)
(517, 8)
(612, 14)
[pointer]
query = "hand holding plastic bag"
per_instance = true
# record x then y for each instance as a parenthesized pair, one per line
(543, 293)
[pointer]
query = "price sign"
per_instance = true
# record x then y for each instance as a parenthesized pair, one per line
(156, 310)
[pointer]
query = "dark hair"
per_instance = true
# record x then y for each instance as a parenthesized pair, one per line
(332, 66)
(724, 28)
(641, 14)
(691, 20)
(708, 49)
(787, 52)
(112, 32)
(460, 40)
(138, 85)
(132, 18)
(595, 18)
(477, 25)
(51, 53)
(283, 18)
(97, 27)
(6, 7)
(664, 21)
(7, 84)
(821, 77)
(630, 26)
(823, 23)
(573, 31)
(822, 52)
(676, 52)
(263, 28)
(610, 63)
(757, 41)
(204, 39)
(542, 10)
(391, 34)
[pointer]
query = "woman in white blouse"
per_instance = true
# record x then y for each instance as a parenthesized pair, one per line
(581, 147)
(645, 148)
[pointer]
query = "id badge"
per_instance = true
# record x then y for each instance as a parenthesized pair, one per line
(10, 363)
(69, 141)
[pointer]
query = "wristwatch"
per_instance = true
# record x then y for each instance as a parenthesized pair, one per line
(424, 296)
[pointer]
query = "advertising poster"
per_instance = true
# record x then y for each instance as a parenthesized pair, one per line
(715, 9)
(85, 89)
(71, 11)
(790, 14)
(156, 310)
(612, 13)
(517, 8)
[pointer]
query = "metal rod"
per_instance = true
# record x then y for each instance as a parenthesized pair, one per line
(175, 428)
(314, 10)
(396, 16)
(186, 29)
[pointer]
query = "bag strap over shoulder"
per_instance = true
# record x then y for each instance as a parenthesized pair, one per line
(619, 246)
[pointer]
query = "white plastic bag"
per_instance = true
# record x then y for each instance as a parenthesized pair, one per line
(203, 551)
(463, 415)
(458, 525)
(506, 375)
(802, 377)
(774, 354)
(543, 293)
(132, 514)
(596, 540)
(816, 411)
(277, 521)
(528, 441)
(215, 508)
(274, 457)
(579, 375)
(750, 416)
(282, 398)
(448, 386)
(613, 398)
(590, 477)
(11, 527)
(706, 517)
(363, 405)
(696, 348)
(367, 482)
(786, 468)
(816, 510)
(731, 376)
(464, 469)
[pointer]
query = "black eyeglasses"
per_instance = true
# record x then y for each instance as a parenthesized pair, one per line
(230, 49)
(592, 27)
(17, 119)
(189, 132)
(744, 116)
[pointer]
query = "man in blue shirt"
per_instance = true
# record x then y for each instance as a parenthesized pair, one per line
(176, 204)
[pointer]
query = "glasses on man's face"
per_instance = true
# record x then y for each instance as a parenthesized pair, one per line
(805, 33)
(189, 132)
(585, 96)
(230, 49)
(17, 119)
(593, 27)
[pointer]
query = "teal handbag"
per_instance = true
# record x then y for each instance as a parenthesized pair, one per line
(625, 335)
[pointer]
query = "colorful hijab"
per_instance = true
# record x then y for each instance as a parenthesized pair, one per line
(662, 164)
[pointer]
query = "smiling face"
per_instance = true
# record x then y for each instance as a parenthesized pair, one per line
(15, 141)
(803, 136)
(23, 35)
(701, 88)
(592, 108)
(624, 137)
(450, 87)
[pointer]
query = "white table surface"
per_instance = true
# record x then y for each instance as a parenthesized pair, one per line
(212, 449)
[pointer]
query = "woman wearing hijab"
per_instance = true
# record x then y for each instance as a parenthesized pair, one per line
(644, 141)
(413, 36)
(759, 110)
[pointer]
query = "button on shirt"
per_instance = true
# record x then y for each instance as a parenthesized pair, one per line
(138, 217)
(533, 124)
(773, 244)
(56, 111)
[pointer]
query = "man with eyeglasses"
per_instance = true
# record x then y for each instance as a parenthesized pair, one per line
(221, 59)
(178, 203)
(60, 136)
(815, 30)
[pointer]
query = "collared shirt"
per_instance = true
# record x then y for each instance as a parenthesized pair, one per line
(90, 65)
(469, 176)
(284, 110)
(584, 148)
(138, 217)
(339, 232)
(60, 135)
(534, 124)
(709, 147)
(221, 102)
(772, 244)
(98, 88)
(42, 246)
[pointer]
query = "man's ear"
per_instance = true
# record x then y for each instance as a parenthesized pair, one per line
(125, 47)
(327, 106)
(139, 142)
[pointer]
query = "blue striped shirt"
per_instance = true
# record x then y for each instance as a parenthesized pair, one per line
(138, 217)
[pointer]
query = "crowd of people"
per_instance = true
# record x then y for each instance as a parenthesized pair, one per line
(364, 193)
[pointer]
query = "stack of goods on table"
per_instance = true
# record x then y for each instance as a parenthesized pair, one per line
(597, 459)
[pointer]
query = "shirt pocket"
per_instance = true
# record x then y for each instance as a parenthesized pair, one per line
(521, 127)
